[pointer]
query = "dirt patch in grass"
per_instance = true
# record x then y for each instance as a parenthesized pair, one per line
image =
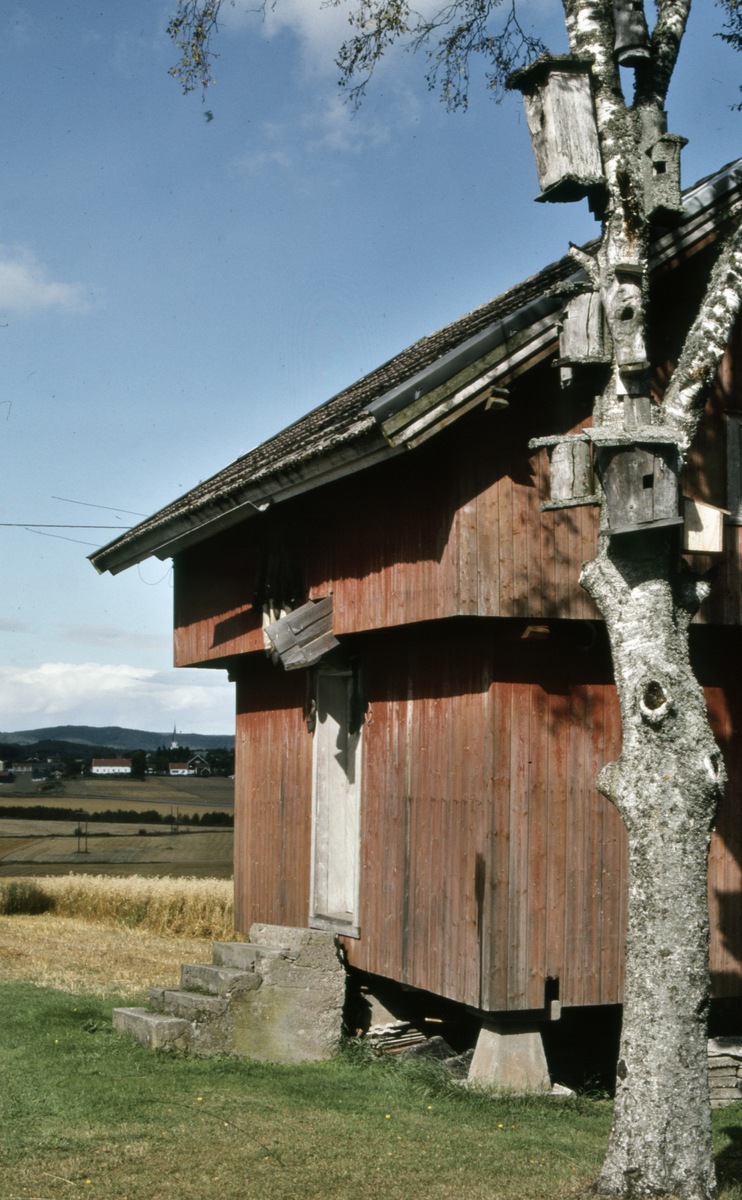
(91, 959)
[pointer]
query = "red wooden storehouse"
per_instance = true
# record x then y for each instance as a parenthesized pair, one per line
(418, 739)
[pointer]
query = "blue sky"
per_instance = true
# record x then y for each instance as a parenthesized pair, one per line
(174, 290)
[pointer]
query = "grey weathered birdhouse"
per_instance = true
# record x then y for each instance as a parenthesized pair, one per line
(571, 470)
(581, 335)
(564, 134)
(641, 485)
(662, 201)
(632, 44)
(624, 311)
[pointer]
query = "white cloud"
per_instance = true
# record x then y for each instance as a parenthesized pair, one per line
(97, 694)
(328, 125)
(320, 29)
(25, 284)
(113, 638)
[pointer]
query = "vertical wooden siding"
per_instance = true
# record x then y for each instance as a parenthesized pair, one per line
(447, 533)
(273, 798)
(489, 861)
(452, 529)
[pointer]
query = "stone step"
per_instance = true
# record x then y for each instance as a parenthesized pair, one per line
(283, 937)
(313, 948)
(219, 981)
(190, 1006)
(155, 1030)
(240, 956)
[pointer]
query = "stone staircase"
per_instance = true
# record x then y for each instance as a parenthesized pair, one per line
(277, 997)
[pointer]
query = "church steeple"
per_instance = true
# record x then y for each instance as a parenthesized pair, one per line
(174, 744)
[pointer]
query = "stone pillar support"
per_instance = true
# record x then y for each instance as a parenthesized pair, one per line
(510, 1056)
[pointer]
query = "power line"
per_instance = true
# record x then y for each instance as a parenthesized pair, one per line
(87, 504)
(61, 537)
(42, 525)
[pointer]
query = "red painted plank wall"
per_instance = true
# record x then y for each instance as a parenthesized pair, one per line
(452, 528)
(489, 860)
(272, 799)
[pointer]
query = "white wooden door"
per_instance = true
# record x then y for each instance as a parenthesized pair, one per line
(335, 809)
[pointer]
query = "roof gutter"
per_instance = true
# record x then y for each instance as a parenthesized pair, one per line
(462, 356)
(695, 200)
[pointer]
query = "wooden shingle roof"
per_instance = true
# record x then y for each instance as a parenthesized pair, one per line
(341, 435)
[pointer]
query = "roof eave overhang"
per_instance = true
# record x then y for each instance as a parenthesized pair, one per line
(513, 344)
(189, 529)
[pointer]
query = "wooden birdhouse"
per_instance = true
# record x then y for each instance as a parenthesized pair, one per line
(662, 201)
(624, 311)
(561, 121)
(581, 335)
(641, 485)
(571, 470)
(632, 44)
(703, 532)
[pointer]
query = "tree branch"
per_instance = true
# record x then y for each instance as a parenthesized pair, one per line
(653, 80)
(455, 32)
(705, 344)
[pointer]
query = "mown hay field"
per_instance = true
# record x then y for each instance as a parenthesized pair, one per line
(184, 847)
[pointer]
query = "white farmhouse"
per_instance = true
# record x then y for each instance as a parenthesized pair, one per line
(181, 769)
(112, 766)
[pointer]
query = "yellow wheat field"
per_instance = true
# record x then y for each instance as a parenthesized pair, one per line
(182, 908)
(93, 959)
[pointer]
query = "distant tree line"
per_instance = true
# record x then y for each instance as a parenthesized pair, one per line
(43, 812)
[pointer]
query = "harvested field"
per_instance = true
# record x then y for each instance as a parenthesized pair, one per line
(160, 792)
(131, 848)
(15, 844)
(92, 959)
(17, 827)
(115, 848)
(201, 908)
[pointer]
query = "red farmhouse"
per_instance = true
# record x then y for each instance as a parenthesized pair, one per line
(424, 693)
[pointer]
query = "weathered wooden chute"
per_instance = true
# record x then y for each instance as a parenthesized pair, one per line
(561, 121)
(632, 45)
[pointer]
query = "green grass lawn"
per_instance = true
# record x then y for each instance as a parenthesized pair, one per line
(83, 1112)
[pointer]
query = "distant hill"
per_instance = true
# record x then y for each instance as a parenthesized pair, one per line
(116, 737)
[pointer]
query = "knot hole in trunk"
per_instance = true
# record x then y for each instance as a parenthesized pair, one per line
(654, 702)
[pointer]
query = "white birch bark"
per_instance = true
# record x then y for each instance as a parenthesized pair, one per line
(668, 780)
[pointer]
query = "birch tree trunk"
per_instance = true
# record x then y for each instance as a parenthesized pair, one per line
(669, 778)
